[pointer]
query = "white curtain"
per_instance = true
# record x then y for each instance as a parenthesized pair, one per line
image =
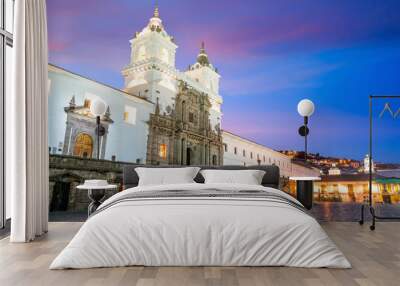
(26, 124)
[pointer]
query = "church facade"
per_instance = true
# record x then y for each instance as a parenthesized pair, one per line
(183, 135)
(182, 110)
(161, 115)
(185, 126)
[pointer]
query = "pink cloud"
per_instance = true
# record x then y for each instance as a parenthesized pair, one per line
(57, 46)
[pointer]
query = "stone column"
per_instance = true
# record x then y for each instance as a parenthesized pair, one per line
(221, 155)
(209, 154)
(177, 158)
(170, 150)
(103, 144)
(203, 155)
(67, 139)
(184, 143)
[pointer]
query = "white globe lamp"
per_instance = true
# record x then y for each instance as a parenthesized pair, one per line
(98, 108)
(305, 108)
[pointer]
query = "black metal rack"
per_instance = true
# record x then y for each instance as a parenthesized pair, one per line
(370, 203)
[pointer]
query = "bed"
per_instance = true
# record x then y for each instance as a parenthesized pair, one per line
(201, 224)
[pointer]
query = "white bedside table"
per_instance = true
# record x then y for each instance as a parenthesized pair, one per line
(96, 192)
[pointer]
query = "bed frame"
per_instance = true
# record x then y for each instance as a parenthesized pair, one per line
(270, 179)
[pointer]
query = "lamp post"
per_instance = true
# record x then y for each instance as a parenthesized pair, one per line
(98, 108)
(305, 108)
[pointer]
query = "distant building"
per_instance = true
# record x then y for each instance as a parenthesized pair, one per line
(242, 151)
(333, 171)
(355, 188)
(366, 164)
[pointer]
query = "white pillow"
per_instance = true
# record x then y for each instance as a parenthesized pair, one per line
(166, 176)
(248, 177)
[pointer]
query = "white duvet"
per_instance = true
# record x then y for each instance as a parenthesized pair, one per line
(200, 231)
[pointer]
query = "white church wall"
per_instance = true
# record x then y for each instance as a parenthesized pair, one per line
(241, 151)
(126, 141)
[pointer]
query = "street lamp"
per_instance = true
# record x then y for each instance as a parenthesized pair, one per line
(305, 108)
(98, 108)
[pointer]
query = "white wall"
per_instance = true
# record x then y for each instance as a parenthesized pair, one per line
(254, 152)
(126, 140)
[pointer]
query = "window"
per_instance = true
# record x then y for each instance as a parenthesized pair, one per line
(165, 55)
(142, 53)
(226, 147)
(251, 155)
(6, 45)
(191, 117)
(244, 153)
(130, 115)
(163, 151)
(264, 158)
(235, 150)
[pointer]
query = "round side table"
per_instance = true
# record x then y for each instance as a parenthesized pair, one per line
(95, 194)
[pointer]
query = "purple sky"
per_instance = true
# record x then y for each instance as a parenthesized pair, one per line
(270, 54)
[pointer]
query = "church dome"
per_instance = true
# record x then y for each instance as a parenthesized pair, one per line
(155, 25)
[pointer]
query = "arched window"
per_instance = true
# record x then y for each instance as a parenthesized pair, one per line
(214, 160)
(165, 55)
(142, 53)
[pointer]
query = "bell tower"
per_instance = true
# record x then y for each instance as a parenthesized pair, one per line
(153, 42)
(150, 72)
(204, 73)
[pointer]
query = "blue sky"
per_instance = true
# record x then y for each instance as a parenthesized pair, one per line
(270, 54)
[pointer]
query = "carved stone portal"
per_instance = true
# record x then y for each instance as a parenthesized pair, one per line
(184, 136)
(80, 133)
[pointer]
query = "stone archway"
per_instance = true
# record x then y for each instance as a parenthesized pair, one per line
(83, 145)
(214, 160)
(62, 190)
